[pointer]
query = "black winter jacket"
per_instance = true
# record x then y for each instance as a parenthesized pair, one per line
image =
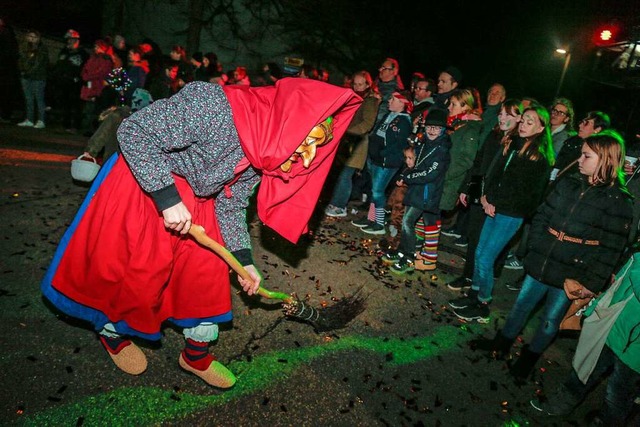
(387, 151)
(514, 184)
(590, 212)
(426, 178)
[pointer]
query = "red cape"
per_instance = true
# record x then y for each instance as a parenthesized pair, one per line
(272, 122)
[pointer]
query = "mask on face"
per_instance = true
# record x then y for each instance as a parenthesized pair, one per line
(319, 135)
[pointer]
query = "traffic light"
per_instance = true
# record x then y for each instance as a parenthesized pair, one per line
(606, 34)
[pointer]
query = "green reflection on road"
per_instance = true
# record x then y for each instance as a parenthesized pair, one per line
(149, 405)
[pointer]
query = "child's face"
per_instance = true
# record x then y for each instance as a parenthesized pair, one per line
(433, 132)
(410, 159)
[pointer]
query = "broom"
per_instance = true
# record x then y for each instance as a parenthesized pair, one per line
(328, 318)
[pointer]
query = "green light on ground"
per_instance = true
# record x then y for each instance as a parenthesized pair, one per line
(149, 405)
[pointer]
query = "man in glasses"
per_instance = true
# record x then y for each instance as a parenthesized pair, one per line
(388, 82)
(561, 122)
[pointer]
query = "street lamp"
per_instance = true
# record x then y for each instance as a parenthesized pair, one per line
(564, 68)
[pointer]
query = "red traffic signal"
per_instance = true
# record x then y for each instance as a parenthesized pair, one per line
(606, 34)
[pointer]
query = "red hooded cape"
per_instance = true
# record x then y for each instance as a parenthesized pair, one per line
(272, 122)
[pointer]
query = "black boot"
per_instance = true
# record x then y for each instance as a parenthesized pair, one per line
(499, 348)
(525, 363)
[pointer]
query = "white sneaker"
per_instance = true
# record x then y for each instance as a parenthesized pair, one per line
(335, 211)
(26, 123)
(39, 125)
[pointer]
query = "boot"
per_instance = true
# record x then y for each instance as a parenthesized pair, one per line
(522, 368)
(499, 348)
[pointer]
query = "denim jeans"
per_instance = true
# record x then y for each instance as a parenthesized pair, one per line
(344, 185)
(555, 307)
(408, 237)
(496, 233)
(622, 388)
(34, 96)
(380, 179)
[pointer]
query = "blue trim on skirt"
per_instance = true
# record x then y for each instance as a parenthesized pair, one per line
(81, 311)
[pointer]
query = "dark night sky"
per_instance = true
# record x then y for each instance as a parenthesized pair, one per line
(510, 42)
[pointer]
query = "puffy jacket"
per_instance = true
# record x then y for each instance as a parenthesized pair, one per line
(426, 178)
(387, 151)
(576, 210)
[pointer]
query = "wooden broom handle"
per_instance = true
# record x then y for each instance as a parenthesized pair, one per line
(198, 233)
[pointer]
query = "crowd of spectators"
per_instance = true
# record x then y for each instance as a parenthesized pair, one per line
(508, 178)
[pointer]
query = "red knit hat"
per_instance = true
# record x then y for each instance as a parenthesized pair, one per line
(407, 101)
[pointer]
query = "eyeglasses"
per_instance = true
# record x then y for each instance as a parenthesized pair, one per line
(557, 112)
(433, 128)
(385, 68)
(421, 88)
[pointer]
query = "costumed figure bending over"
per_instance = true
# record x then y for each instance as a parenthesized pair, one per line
(126, 264)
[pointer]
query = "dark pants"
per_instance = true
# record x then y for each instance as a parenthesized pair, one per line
(409, 220)
(623, 387)
(69, 104)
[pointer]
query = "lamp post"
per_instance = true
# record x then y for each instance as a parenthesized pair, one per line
(564, 68)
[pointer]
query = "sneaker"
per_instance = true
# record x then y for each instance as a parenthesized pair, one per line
(335, 211)
(464, 301)
(478, 312)
(39, 125)
(461, 241)
(26, 124)
(562, 405)
(374, 228)
(403, 266)
(513, 263)
(451, 232)
(362, 222)
(514, 286)
(391, 257)
(460, 284)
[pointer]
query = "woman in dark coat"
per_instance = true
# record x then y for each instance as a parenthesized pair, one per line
(513, 187)
(576, 239)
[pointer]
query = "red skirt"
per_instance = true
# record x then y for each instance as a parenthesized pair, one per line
(123, 263)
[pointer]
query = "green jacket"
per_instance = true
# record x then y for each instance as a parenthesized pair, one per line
(465, 142)
(624, 337)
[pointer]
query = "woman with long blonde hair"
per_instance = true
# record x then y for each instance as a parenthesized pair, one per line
(576, 239)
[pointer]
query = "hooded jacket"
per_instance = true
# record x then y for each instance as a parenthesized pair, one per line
(426, 179)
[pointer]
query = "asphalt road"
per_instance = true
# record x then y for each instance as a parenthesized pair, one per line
(404, 361)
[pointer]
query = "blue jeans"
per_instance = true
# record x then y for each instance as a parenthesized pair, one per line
(496, 233)
(555, 307)
(380, 179)
(34, 94)
(344, 185)
(622, 388)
